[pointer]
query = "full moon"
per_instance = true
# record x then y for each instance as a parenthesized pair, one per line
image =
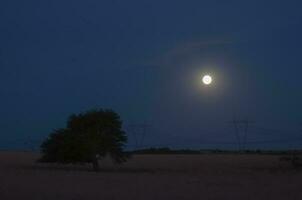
(207, 79)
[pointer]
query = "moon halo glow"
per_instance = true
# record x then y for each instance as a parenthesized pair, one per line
(207, 79)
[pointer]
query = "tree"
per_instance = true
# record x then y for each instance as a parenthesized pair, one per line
(87, 138)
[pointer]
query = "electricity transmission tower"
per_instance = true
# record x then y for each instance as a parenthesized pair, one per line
(241, 130)
(139, 132)
(32, 144)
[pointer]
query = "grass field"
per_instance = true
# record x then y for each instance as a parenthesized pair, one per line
(153, 177)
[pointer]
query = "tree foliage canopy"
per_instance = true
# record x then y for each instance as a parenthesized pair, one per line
(87, 137)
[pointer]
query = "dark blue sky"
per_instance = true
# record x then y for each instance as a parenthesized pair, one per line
(144, 59)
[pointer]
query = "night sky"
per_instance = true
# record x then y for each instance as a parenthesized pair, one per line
(145, 60)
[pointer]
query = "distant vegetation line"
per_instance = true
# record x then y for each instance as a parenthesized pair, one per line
(167, 150)
(33, 145)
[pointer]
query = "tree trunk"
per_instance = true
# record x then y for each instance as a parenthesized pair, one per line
(95, 164)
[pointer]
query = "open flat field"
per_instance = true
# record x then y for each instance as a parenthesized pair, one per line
(151, 177)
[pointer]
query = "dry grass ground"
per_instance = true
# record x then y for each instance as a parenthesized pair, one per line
(152, 177)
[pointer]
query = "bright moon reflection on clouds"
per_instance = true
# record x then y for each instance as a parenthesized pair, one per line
(207, 79)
